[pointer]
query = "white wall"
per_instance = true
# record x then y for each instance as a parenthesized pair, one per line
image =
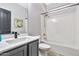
(61, 27)
(34, 22)
(16, 12)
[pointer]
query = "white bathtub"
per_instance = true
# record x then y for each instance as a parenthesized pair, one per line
(64, 50)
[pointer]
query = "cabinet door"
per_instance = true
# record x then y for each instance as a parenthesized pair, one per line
(21, 51)
(33, 48)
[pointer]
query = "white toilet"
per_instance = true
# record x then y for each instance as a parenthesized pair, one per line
(44, 47)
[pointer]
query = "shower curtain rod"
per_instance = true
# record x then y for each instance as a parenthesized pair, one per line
(70, 5)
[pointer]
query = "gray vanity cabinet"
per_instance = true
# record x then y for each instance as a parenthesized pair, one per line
(33, 48)
(29, 49)
(20, 51)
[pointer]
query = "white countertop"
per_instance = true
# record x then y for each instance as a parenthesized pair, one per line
(4, 46)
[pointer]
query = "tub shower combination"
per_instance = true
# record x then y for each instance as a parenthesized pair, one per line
(61, 26)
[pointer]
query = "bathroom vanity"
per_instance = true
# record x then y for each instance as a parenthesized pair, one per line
(24, 47)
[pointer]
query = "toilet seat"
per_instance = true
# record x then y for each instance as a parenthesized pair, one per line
(44, 46)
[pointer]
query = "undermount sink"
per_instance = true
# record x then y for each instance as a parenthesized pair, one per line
(16, 40)
(19, 39)
(2, 44)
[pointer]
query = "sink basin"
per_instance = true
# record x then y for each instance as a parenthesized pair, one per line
(19, 39)
(2, 44)
(15, 41)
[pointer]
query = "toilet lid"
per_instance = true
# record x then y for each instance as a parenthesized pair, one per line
(43, 46)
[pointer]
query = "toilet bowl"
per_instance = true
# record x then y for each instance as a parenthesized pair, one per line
(44, 47)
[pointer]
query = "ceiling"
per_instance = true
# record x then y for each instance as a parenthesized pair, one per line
(49, 5)
(23, 4)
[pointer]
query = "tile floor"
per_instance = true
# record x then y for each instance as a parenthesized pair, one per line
(50, 53)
